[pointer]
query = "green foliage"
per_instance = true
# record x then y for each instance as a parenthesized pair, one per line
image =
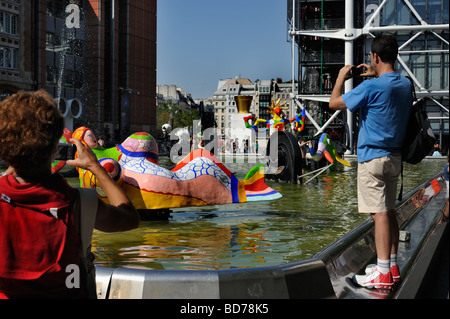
(169, 112)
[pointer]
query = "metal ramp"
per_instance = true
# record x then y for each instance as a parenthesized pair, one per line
(419, 215)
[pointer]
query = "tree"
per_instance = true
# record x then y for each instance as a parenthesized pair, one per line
(170, 112)
(164, 112)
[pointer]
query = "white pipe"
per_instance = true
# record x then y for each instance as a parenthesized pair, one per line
(330, 120)
(356, 33)
(410, 40)
(432, 93)
(308, 115)
(293, 49)
(442, 107)
(375, 14)
(349, 27)
(407, 28)
(312, 172)
(418, 17)
(410, 73)
(321, 171)
(439, 37)
(423, 51)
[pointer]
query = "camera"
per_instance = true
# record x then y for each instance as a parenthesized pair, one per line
(65, 152)
(357, 71)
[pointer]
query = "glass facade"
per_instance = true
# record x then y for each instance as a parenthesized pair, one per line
(427, 55)
(423, 51)
(396, 12)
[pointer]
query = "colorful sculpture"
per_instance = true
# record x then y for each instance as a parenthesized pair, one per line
(278, 122)
(199, 179)
(327, 149)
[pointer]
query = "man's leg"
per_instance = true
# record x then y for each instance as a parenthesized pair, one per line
(372, 199)
(380, 277)
(395, 234)
(393, 169)
(383, 240)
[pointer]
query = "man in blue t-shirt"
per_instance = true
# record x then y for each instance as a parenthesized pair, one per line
(384, 104)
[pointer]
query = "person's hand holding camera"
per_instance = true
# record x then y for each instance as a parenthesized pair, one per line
(369, 70)
(86, 158)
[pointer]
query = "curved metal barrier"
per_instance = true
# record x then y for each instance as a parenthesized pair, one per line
(326, 275)
(418, 216)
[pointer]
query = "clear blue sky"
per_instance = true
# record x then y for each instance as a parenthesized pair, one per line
(202, 41)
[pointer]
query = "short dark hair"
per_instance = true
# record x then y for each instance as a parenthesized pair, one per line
(386, 47)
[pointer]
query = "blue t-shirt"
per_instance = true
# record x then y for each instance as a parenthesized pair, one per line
(384, 105)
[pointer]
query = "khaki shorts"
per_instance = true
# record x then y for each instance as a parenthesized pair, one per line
(377, 184)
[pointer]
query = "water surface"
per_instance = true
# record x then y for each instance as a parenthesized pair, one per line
(307, 219)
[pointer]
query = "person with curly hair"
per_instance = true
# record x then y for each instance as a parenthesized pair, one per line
(43, 220)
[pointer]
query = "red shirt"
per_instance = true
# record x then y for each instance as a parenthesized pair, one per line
(38, 238)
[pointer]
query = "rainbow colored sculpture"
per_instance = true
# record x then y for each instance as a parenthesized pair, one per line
(327, 149)
(199, 179)
(278, 122)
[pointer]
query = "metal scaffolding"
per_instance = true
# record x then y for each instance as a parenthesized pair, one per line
(349, 34)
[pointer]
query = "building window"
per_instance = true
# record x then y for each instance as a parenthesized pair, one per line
(8, 58)
(8, 23)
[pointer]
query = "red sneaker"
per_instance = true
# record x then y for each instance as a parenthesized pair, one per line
(375, 280)
(395, 272)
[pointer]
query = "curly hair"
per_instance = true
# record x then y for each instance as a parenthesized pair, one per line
(30, 127)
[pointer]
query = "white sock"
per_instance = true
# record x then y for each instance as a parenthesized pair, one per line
(393, 260)
(383, 266)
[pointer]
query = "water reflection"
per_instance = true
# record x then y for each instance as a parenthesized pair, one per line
(307, 219)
